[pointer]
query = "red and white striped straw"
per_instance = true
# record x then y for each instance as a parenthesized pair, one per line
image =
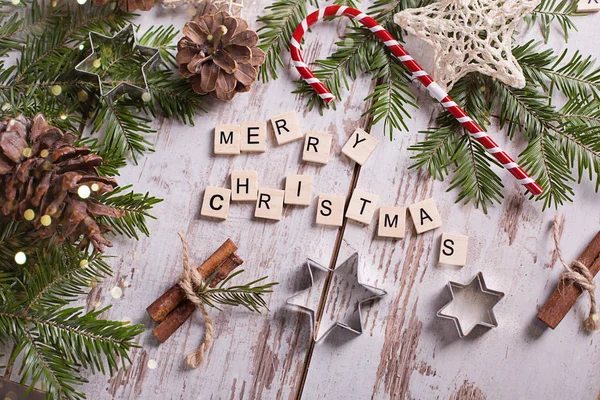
(434, 89)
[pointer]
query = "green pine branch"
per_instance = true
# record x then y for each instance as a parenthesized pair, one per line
(345, 63)
(124, 133)
(249, 295)
(580, 139)
(56, 341)
(390, 97)
(161, 38)
(550, 12)
(136, 207)
(275, 34)
(525, 110)
(14, 237)
(434, 153)
(450, 145)
(474, 175)
(577, 77)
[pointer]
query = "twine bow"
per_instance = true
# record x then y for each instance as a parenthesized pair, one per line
(578, 274)
(190, 281)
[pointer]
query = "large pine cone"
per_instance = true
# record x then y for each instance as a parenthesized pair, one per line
(41, 173)
(219, 53)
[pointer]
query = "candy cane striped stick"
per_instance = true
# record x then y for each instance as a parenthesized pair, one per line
(434, 89)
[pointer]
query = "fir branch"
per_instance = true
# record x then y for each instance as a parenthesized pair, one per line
(172, 96)
(549, 167)
(123, 131)
(561, 12)
(14, 237)
(58, 378)
(56, 341)
(435, 152)
(36, 19)
(390, 96)
(74, 333)
(580, 141)
(8, 28)
(576, 78)
(449, 144)
(59, 276)
(249, 295)
(474, 174)
(350, 58)
(136, 207)
(534, 63)
(277, 30)
(161, 37)
(522, 109)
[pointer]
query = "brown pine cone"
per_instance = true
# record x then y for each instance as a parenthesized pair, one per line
(130, 5)
(42, 179)
(219, 54)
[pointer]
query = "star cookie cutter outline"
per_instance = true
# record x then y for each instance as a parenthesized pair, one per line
(315, 325)
(121, 88)
(482, 287)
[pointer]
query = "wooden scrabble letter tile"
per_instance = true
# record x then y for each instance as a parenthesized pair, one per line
(244, 185)
(254, 136)
(392, 222)
(330, 210)
(425, 215)
(298, 189)
(317, 147)
(286, 127)
(362, 206)
(269, 204)
(453, 250)
(588, 6)
(360, 146)
(227, 139)
(216, 202)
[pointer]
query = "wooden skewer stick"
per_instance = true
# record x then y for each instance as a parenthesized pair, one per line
(166, 303)
(186, 308)
(565, 296)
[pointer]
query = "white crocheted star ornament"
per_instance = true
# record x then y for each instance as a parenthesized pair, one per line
(470, 36)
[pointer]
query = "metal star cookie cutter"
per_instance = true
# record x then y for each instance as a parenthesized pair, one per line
(349, 318)
(92, 62)
(465, 307)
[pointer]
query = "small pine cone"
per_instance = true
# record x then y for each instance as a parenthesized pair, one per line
(130, 5)
(219, 54)
(41, 173)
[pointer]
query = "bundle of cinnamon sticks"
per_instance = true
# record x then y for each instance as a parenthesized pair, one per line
(172, 309)
(565, 296)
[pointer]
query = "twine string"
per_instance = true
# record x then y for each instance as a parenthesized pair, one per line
(190, 281)
(578, 274)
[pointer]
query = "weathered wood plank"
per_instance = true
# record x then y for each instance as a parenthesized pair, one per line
(406, 352)
(253, 356)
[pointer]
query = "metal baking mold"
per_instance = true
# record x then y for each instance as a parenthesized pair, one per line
(127, 34)
(472, 304)
(345, 276)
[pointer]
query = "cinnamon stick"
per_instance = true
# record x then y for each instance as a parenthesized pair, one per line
(166, 303)
(565, 296)
(186, 308)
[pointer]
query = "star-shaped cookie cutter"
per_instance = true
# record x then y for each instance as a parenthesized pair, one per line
(125, 35)
(476, 294)
(351, 321)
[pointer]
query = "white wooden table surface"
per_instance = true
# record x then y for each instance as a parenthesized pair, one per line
(405, 350)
